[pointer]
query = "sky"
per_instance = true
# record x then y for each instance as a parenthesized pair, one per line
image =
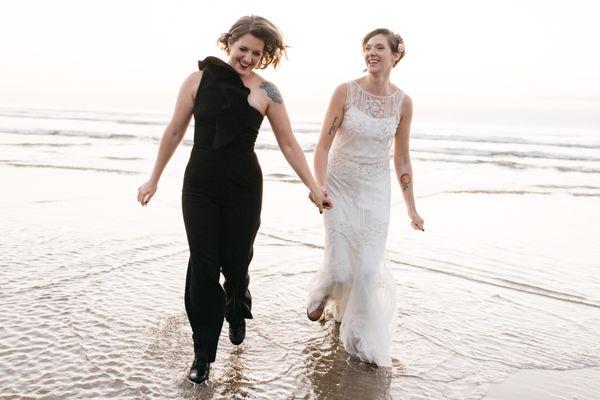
(462, 57)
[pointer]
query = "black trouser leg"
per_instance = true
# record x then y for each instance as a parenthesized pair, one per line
(241, 219)
(204, 296)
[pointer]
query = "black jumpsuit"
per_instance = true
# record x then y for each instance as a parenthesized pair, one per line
(221, 201)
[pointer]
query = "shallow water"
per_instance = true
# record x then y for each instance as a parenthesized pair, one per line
(502, 288)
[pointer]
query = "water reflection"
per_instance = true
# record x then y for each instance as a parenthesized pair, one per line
(234, 379)
(333, 374)
(230, 383)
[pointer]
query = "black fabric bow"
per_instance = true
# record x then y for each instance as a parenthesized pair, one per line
(232, 96)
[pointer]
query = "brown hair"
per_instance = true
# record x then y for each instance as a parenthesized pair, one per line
(262, 29)
(393, 39)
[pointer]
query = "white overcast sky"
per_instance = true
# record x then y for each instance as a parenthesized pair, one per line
(133, 55)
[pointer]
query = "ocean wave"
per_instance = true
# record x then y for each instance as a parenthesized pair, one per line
(512, 164)
(585, 194)
(310, 147)
(282, 178)
(507, 153)
(503, 140)
(567, 186)
(82, 116)
(494, 281)
(303, 127)
(310, 131)
(307, 148)
(478, 191)
(518, 192)
(91, 135)
(28, 144)
(508, 284)
(72, 133)
(18, 164)
(122, 158)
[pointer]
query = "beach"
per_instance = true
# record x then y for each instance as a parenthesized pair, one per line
(499, 298)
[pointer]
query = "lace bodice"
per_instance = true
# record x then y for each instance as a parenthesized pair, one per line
(371, 105)
(369, 126)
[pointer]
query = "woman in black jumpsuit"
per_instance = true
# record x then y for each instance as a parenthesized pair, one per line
(222, 186)
(222, 193)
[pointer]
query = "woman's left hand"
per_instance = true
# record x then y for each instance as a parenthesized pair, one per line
(416, 221)
(321, 200)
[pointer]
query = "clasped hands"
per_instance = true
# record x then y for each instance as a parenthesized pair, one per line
(320, 199)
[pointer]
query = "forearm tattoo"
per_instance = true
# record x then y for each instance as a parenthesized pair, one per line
(333, 127)
(272, 91)
(405, 181)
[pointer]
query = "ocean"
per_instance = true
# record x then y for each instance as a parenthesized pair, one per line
(499, 298)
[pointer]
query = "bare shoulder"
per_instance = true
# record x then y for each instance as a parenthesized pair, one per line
(341, 90)
(192, 82)
(339, 94)
(407, 104)
(194, 78)
(271, 90)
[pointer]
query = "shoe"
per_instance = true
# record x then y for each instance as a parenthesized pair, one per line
(237, 333)
(199, 371)
(315, 314)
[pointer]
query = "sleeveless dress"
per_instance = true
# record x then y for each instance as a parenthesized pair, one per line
(354, 280)
(221, 202)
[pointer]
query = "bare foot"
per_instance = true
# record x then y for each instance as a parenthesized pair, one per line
(315, 315)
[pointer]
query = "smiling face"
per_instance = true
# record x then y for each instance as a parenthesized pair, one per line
(378, 54)
(246, 53)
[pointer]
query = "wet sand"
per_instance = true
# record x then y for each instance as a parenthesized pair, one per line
(92, 296)
(548, 385)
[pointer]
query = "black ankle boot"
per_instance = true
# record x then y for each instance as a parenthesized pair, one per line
(237, 332)
(199, 370)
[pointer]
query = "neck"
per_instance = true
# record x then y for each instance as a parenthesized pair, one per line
(378, 84)
(247, 78)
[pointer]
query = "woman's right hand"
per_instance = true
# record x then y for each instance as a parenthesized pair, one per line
(416, 221)
(146, 191)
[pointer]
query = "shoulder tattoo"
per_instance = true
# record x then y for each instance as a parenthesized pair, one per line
(272, 91)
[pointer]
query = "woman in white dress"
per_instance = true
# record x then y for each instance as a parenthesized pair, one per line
(364, 118)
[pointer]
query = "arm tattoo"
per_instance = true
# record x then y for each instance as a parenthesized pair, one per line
(405, 180)
(333, 127)
(272, 91)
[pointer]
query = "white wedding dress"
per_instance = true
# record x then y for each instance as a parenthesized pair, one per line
(354, 279)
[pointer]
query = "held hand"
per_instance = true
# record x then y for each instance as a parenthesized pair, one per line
(327, 203)
(417, 222)
(145, 192)
(321, 200)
